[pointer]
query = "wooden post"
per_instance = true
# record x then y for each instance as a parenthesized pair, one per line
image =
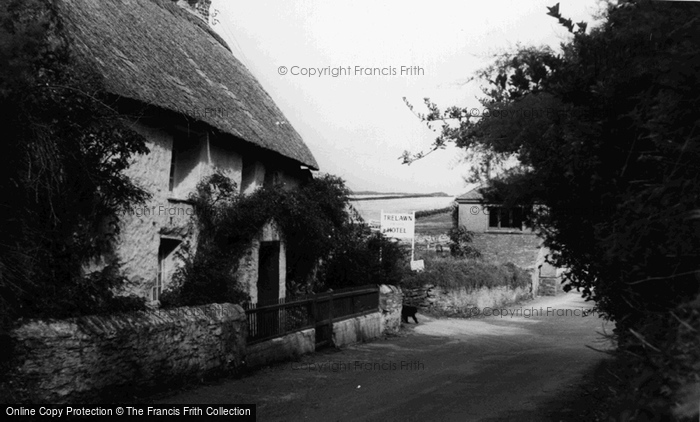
(381, 218)
(413, 240)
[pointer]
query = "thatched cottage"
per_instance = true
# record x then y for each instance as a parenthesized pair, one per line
(502, 236)
(205, 111)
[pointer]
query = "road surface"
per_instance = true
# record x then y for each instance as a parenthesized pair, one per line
(490, 368)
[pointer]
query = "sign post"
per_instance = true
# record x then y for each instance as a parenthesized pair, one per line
(401, 226)
(413, 238)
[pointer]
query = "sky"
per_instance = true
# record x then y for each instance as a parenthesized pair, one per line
(357, 124)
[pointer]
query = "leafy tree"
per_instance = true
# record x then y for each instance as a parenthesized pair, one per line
(63, 186)
(607, 141)
(361, 257)
(607, 135)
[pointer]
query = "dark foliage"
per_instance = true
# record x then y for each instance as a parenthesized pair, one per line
(608, 141)
(326, 245)
(660, 365)
(361, 258)
(62, 186)
(606, 138)
(470, 274)
(461, 243)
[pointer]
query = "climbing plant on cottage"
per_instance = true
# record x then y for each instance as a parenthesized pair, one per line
(326, 244)
(63, 186)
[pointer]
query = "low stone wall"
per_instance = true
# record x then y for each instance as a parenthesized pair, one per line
(356, 330)
(281, 348)
(98, 358)
(430, 297)
(104, 356)
(456, 300)
(390, 302)
(550, 286)
(422, 297)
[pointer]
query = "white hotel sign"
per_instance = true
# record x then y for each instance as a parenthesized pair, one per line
(401, 226)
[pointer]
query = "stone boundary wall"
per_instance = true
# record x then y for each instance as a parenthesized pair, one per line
(430, 297)
(93, 358)
(550, 286)
(357, 330)
(422, 297)
(281, 348)
(390, 303)
(86, 358)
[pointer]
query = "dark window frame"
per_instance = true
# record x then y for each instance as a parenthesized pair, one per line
(505, 219)
(184, 144)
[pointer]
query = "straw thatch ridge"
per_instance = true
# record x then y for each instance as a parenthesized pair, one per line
(155, 52)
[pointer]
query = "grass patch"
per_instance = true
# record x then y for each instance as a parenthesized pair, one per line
(472, 274)
(434, 225)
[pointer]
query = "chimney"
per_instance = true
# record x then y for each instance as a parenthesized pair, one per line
(199, 8)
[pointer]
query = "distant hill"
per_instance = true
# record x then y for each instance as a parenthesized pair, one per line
(399, 194)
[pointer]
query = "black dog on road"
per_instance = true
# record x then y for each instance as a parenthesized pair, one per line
(409, 311)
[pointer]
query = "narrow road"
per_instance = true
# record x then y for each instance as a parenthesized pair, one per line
(490, 368)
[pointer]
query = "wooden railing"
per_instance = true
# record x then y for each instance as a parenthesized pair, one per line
(267, 321)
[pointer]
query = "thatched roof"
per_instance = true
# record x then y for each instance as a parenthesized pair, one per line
(157, 53)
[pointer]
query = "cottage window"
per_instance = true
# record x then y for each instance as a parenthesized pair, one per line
(183, 165)
(501, 218)
(271, 178)
(166, 265)
(253, 176)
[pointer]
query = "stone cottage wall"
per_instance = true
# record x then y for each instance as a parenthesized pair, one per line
(165, 214)
(247, 273)
(137, 244)
(107, 356)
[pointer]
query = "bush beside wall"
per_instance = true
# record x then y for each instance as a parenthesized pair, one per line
(453, 286)
(470, 274)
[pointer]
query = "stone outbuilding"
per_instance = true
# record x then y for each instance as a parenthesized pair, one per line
(501, 236)
(179, 85)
